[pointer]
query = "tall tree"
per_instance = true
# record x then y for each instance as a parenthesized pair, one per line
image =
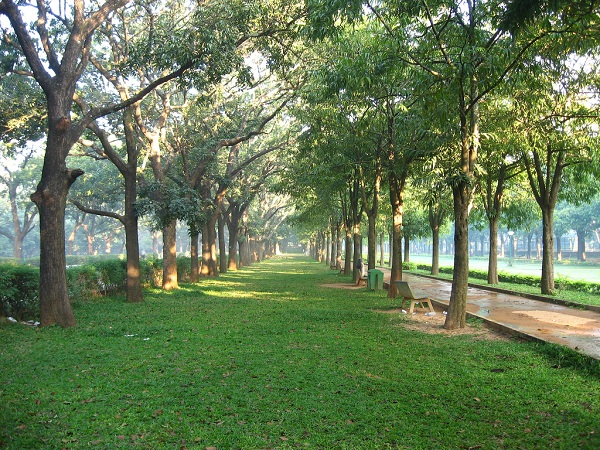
(58, 77)
(17, 181)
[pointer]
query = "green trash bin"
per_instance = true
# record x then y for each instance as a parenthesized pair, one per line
(375, 279)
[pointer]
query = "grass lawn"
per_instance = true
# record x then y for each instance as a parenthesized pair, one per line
(268, 358)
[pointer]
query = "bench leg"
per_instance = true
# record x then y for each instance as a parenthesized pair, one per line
(421, 302)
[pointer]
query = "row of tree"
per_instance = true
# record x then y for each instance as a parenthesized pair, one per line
(185, 100)
(452, 106)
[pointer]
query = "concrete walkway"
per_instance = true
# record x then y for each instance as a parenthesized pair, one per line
(533, 319)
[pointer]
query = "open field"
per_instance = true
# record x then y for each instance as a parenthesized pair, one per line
(268, 357)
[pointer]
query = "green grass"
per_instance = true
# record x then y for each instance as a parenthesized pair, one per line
(268, 358)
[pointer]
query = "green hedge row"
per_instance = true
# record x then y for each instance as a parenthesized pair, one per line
(530, 280)
(19, 284)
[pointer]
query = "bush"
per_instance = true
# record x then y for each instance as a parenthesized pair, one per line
(151, 272)
(19, 291)
(112, 275)
(409, 266)
(82, 282)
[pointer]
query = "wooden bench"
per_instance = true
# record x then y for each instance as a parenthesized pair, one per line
(405, 291)
(362, 279)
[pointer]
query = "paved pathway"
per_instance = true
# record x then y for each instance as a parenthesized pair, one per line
(535, 319)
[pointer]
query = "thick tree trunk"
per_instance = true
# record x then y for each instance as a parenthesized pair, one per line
(547, 251)
(209, 250)
(372, 241)
(397, 203)
(457, 308)
(170, 256)
(348, 266)
(134, 286)
(194, 255)
(492, 277)
(233, 245)
(222, 246)
(50, 198)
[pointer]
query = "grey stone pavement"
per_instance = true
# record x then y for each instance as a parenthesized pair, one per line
(576, 328)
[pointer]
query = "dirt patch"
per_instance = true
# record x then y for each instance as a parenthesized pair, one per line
(434, 324)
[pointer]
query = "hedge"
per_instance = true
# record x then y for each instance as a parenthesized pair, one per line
(19, 284)
(19, 291)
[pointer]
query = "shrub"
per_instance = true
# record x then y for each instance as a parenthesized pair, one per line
(151, 272)
(19, 291)
(409, 265)
(112, 275)
(82, 282)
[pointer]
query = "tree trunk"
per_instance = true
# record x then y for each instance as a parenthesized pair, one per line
(327, 249)
(223, 263)
(50, 198)
(338, 252)
(581, 256)
(457, 308)
(170, 256)
(194, 255)
(132, 248)
(209, 250)
(356, 238)
(548, 251)
(492, 277)
(348, 266)
(435, 252)
(372, 241)
(233, 244)
(397, 203)
(406, 248)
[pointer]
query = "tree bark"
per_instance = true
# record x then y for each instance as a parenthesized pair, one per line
(50, 198)
(170, 280)
(456, 317)
(348, 269)
(492, 277)
(397, 203)
(209, 249)
(223, 263)
(194, 260)
(547, 280)
(132, 248)
(581, 256)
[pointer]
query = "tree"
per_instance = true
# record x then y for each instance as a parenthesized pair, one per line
(556, 134)
(18, 181)
(58, 77)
